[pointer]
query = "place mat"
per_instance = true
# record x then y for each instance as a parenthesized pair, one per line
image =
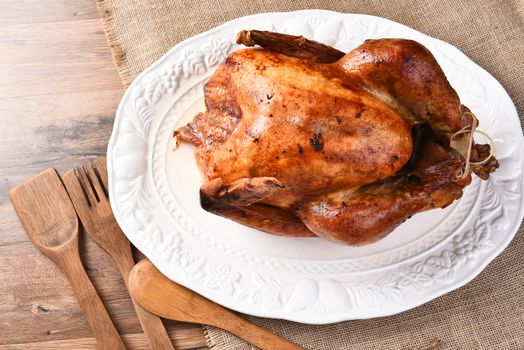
(487, 313)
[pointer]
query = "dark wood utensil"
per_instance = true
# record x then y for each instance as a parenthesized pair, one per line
(48, 217)
(165, 298)
(87, 187)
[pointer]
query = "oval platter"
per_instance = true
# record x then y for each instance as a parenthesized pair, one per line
(154, 193)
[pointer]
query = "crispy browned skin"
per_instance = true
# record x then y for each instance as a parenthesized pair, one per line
(241, 201)
(405, 74)
(266, 119)
(300, 139)
(374, 210)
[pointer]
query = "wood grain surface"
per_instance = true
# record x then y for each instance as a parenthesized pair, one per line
(58, 94)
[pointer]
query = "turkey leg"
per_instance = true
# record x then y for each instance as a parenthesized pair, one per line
(403, 72)
(367, 214)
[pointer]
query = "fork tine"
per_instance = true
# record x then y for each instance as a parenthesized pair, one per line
(94, 181)
(100, 169)
(77, 193)
(81, 175)
(101, 176)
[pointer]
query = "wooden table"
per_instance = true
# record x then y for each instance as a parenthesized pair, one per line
(59, 91)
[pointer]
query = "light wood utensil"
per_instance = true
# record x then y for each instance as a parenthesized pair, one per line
(165, 298)
(87, 187)
(48, 217)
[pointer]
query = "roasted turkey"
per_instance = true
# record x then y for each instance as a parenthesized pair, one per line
(300, 139)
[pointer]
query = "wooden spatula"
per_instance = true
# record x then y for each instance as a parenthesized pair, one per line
(87, 186)
(165, 298)
(50, 221)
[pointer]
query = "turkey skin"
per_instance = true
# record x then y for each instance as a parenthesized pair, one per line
(300, 139)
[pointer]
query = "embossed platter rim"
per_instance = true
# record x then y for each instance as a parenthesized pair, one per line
(306, 292)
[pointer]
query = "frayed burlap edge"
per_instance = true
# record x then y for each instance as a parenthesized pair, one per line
(209, 340)
(119, 55)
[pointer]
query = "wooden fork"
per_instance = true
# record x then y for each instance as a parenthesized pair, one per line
(87, 187)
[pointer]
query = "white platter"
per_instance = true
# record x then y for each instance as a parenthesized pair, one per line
(154, 193)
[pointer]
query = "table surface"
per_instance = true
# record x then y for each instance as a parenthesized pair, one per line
(58, 95)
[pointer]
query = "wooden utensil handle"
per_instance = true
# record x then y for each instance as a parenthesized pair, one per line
(153, 328)
(255, 335)
(151, 324)
(101, 325)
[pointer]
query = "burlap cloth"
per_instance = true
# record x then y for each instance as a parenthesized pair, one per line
(487, 313)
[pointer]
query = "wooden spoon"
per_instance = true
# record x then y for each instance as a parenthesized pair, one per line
(165, 298)
(50, 221)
